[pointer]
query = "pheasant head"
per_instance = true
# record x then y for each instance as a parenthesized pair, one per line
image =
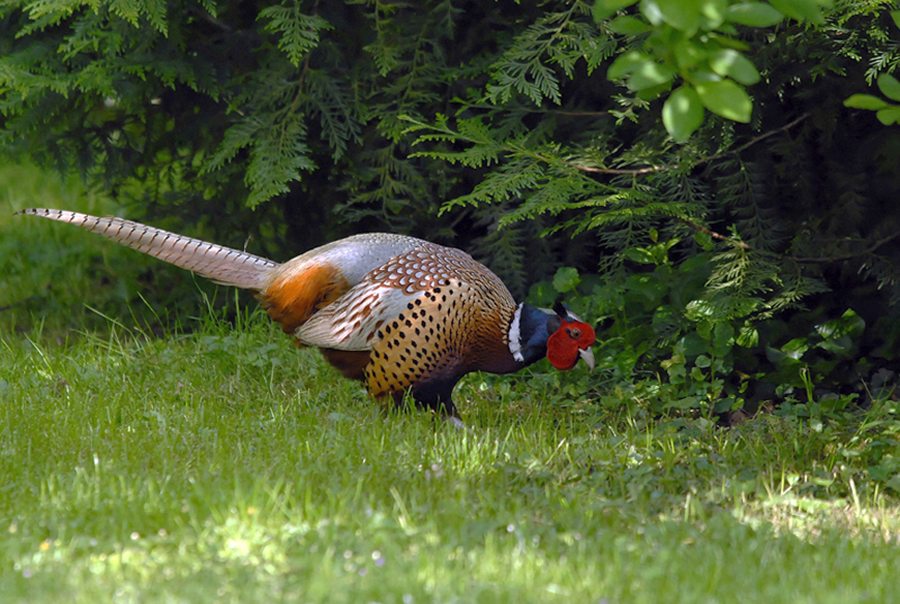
(558, 334)
(570, 341)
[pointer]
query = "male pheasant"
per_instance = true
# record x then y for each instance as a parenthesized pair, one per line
(396, 312)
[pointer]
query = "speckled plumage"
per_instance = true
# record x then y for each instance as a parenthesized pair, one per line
(396, 312)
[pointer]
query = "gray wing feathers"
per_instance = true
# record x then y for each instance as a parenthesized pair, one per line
(220, 264)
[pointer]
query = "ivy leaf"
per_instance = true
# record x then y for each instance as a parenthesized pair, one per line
(566, 279)
(839, 334)
(613, 5)
(604, 9)
(628, 26)
(682, 113)
(714, 12)
(723, 335)
(889, 86)
(651, 12)
(688, 54)
(639, 254)
(649, 74)
(753, 14)
(731, 63)
(865, 101)
(889, 116)
(683, 15)
(625, 64)
(796, 348)
(802, 10)
(727, 99)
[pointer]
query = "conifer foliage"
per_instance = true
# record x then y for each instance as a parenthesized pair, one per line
(616, 139)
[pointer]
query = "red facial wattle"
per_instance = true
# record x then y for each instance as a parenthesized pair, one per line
(570, 342)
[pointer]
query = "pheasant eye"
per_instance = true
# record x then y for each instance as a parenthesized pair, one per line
(575, 333)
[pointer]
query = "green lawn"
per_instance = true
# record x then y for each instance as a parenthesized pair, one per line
(224, 465)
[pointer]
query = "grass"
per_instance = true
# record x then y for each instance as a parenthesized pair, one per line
(69, 279)
(224, 466)
(220, 464)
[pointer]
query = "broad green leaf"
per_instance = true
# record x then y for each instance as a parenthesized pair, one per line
(704, 77)
(753, 14)
(682, 113)
(714, 11)
(778, 358)
(653, 92)
(688, 53)
(649, 74)
(566, 279)
(723, 335)
(731, 63)
(625, 64)
(838, 345)
(889, 116)
(614, 4)
(683, 15)
(889, 86)
(688, 402)
(628, 26)
(895, 15)
(660, 251)
(727, 29)
(639, 254)
(728, 42)
(865, 101)
(604, 9)
(893, 483)
(796, 348)
(695, 343)
(650, 10)
(801, 10)
(704, 240)
(852, 323)
(729, 403)
(727, 99)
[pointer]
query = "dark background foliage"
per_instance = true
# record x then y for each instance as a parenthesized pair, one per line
(722, 269)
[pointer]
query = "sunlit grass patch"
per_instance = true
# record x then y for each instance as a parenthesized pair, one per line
(226, 465)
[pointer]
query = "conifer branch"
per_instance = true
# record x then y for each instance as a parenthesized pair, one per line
(799, 259)
(205, 16)
(705, 160)
(754, 140)
(618, 171)
(741, 244)
(869, 250)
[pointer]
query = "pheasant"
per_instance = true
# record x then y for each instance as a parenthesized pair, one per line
(398, 313)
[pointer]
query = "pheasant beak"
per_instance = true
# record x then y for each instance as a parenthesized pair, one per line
(587, 355)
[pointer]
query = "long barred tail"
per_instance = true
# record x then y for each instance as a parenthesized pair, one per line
(221, 264)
